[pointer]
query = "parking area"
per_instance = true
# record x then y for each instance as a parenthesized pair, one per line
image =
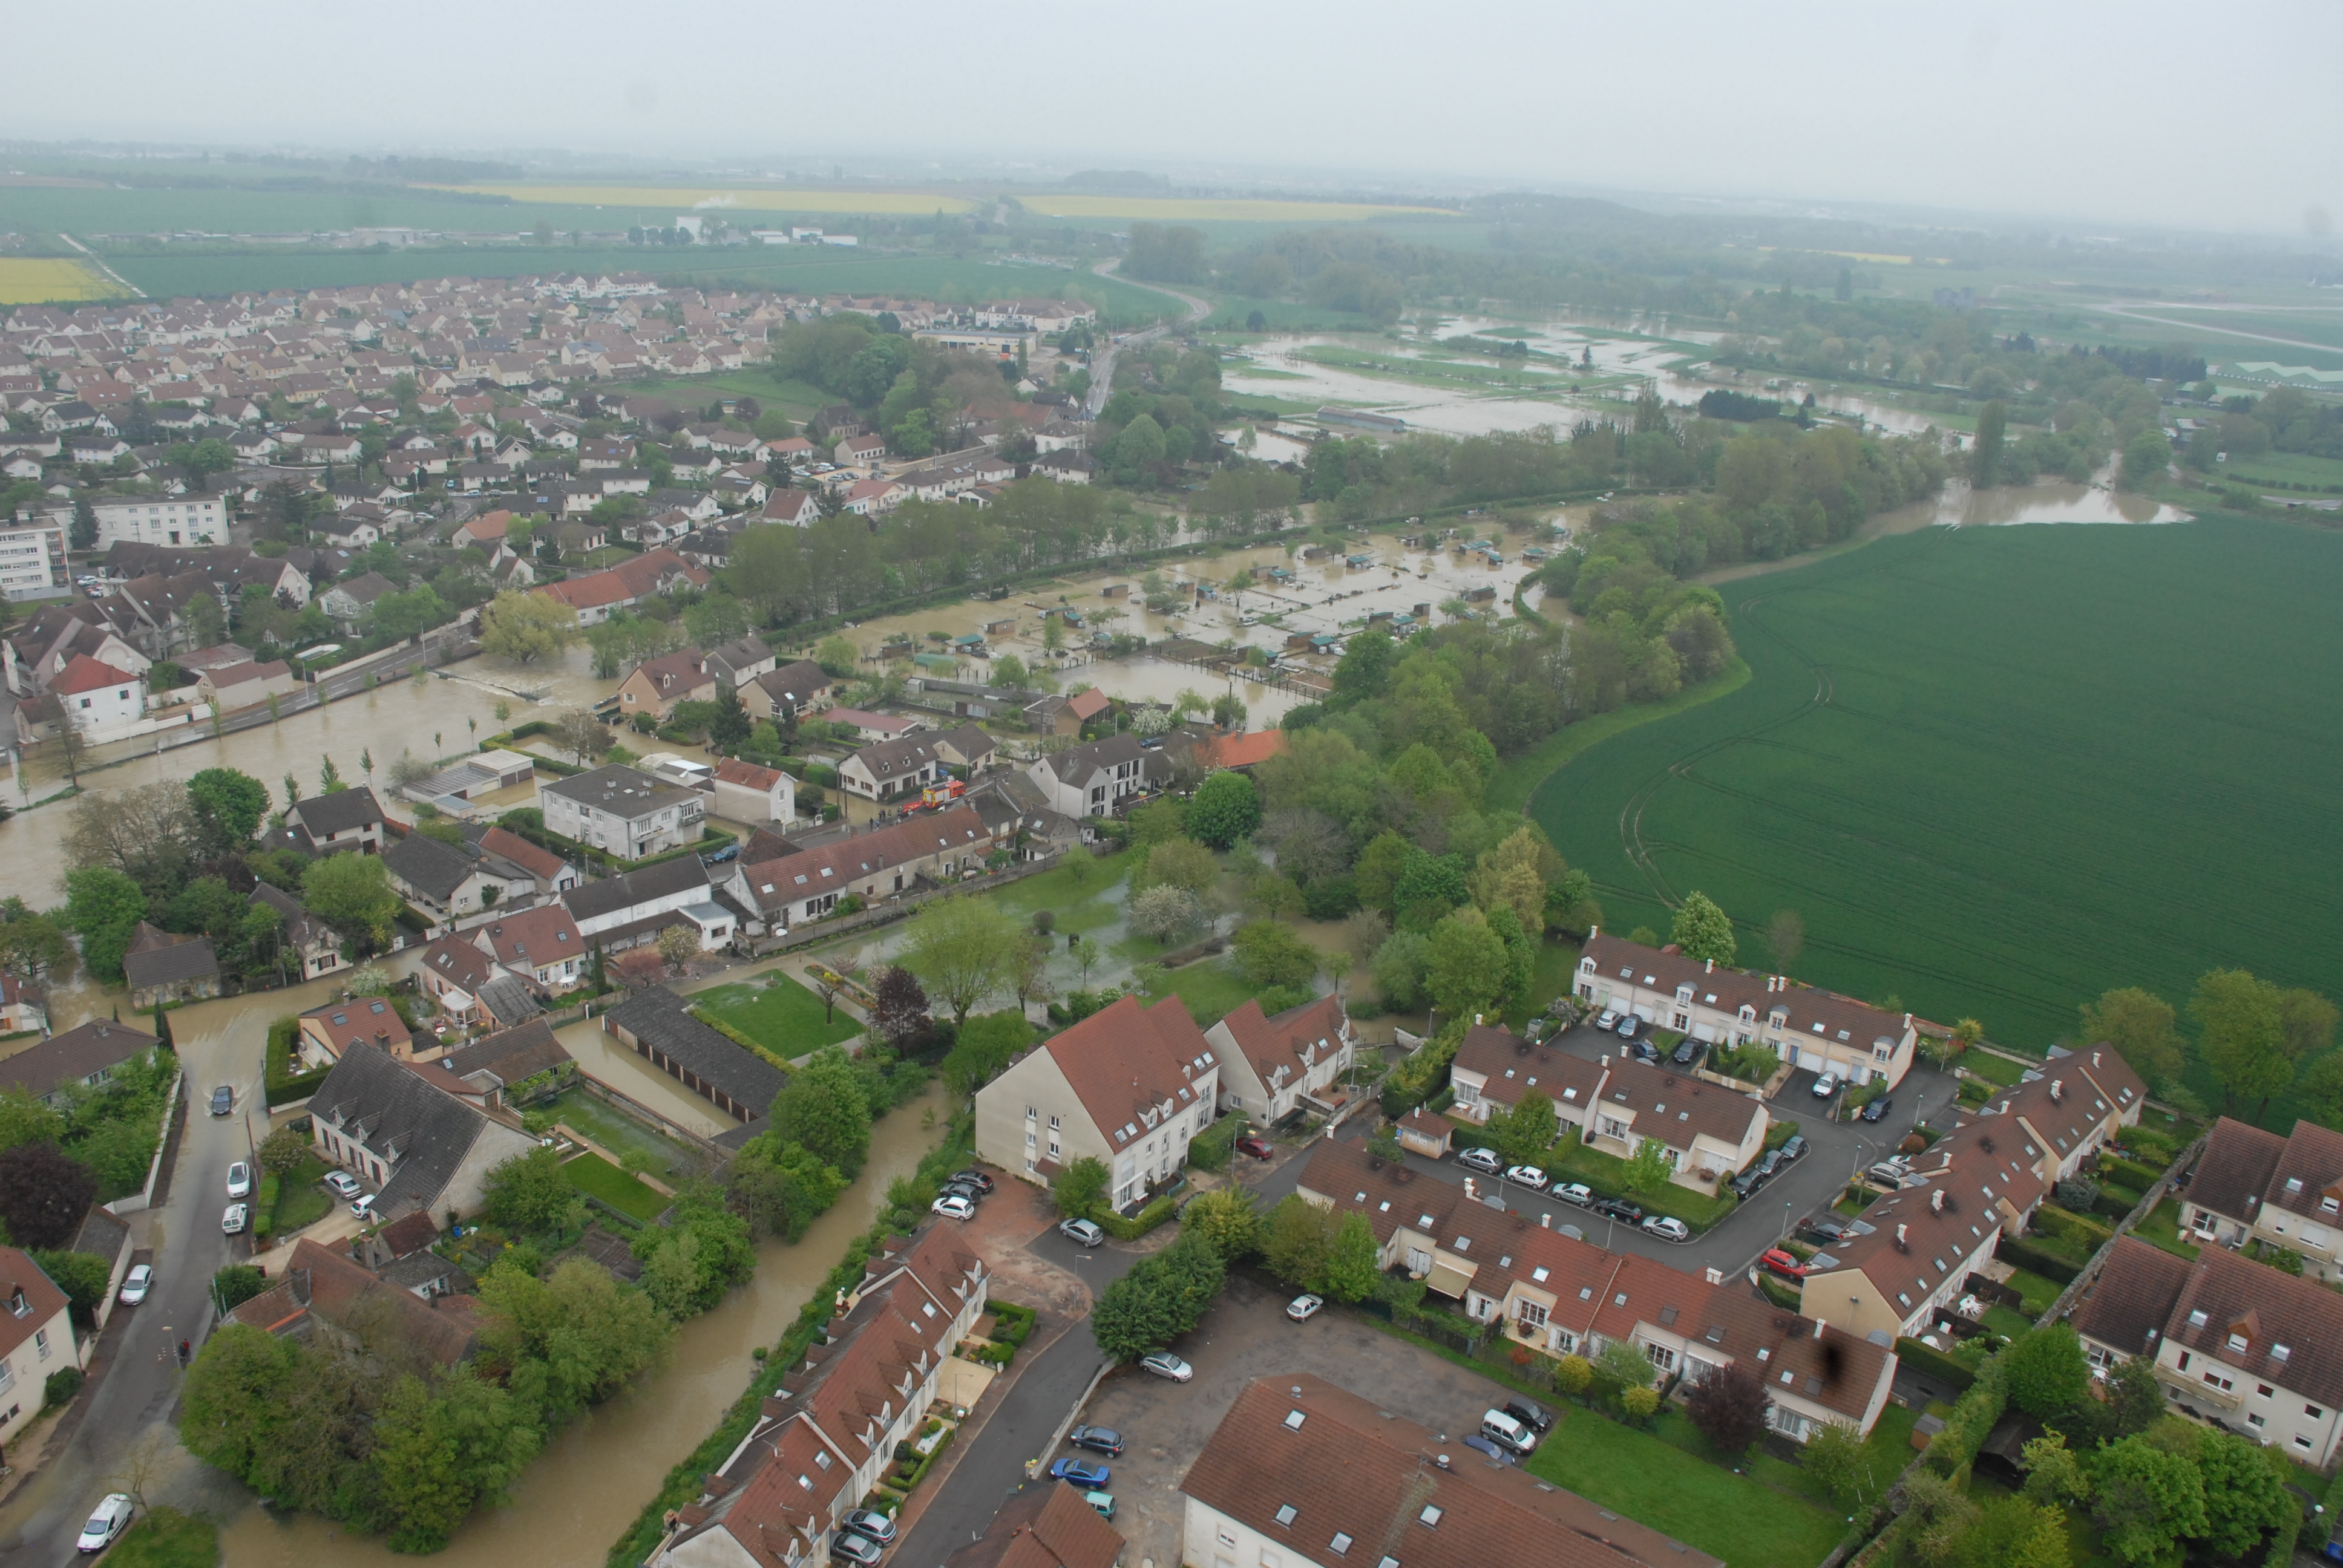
(1247, 1335)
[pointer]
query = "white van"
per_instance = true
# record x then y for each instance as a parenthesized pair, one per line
(1507, 1434)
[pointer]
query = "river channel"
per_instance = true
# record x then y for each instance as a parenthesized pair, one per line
(590, 1482)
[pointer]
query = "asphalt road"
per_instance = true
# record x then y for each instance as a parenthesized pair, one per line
(139, 1382)
(1103, 360)
(1037, 1403)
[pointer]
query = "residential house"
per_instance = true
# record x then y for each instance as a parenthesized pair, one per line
(471, 988)
(1274, 1068)
(1709, 1131)
(746, 792)
(511, 1069)
(423, 1149)
(2237, 1344)
(657, 685)
(82, 1059)
(303, 938)
(1044, 1523)
(742, 661)
(23, 1010)
(624, 912)
(1243, 752)
(1818, 1030)
(2072, 1106)
(797, 509)
(1495, 1066)
(1099, 778)
(542, 944)
(483, 773)
(629, 814)
(451, 881)
(595, 597)
(857, 449)
(325, 1295)
(657, 1025)
(1065, 716)
(1560, 1295)
(894, 770)
(551, 872)
(806, 884)
(37, 1338)
(326, 1032)
(234, 686)
(2254, 1186)
(345, 819)
(160, 519)
(100, 700)
(162, 967)
(823, 1439)
(348, 601)
(400, 1254)
(874, 727)
(1303, 1470)
(1129, 1086)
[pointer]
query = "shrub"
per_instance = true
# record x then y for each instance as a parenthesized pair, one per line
(1930, 1362)
(61, 1385)
(1973, 1417)
(2023, 1252)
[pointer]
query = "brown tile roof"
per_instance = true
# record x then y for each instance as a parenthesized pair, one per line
(1131, 1065)
(1244, 751)
(1817, 1014)
(2308, 1173)
(2062, 1106)
(2275, 1312)
(73, 1055)
(43, 1300)
(1044, 1524)
(511, 1055)
(1292, 1042)
(537, 861)
(2235, 1170)
(1513, 1065)
(748, 775)
(1346, 1467)
(456, 960)
(1677, 1108)
(1925, 1235)
(2108, 1069)
(775, 884)
(2126, 1307)
(545, 935)
(368, 1021)
(343, 1292)
(673, 673)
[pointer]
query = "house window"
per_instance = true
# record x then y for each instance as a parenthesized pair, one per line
(41, 1343)
(1662, 1357)
(1529, 1313)
(2314, 1412)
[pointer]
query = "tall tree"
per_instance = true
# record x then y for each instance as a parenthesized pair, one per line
(1468, 968)
(2241, 1035)
(1985, 453)
(961, 948)
(228, 808)
(43, 1194)
(2140, 1025)
(823, 1107)
(526, 627)
(103, 907)
(731, 724)
(1728, 1404)
(1351, 1258)
(352, 894)
(1702, 931)
(1226, 808)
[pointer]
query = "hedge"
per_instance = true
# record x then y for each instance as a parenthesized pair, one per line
(2116, 1202)
(1139, 1224)
(2025, 1255)
(283, 1085)
(1012, 1323)
(1935, 1364)
(2075, 1230)
(1973, 1416)
(264, 1206)
(2130, 1172)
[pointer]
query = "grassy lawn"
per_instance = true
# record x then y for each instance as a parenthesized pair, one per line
(1080, 894)
(1556, 963)
(1573, 1161)
(1651, 1480)
(166, 1538)
(621, 1134)
(1993, 1068)
(2162, 1229)
(2038, 1290)
(598, 1178)
(301, 1197)
(780, 1015)
(1211, 988)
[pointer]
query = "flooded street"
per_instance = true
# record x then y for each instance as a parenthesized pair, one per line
(591, 1481)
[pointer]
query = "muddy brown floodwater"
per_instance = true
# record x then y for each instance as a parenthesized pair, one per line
(593, 1479)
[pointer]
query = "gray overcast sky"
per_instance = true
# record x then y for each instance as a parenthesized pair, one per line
(2146, 110)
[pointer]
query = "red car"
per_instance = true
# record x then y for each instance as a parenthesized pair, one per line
(1781, 1263)
(1257, 1147)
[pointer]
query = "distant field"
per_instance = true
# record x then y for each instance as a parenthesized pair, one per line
(2000, 771)
(38, 280)
(1178, 209)
(707, 198)
(2286, 468)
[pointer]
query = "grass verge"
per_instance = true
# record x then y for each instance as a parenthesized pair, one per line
(167, 1538)
(780, 1015)
(301, 1197)
(598, 1178)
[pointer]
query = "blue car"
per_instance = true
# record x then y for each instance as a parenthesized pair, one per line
(1081, 1473)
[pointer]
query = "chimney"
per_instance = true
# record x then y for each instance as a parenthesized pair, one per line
(1937, 1201)
(1716, 1275)
(1441, 1460)
(2057, 1090)
(1545, 1222)
(1899, 1235)
(1709, 966)
(1819, 1325)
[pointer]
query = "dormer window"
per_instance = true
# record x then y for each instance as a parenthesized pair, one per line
(2237, 1343)
(2198, 1320)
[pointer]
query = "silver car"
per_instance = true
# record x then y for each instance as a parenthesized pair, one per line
(1165, 1364)
(234, 1220)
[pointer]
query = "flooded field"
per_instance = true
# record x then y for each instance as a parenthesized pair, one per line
(591, 1481)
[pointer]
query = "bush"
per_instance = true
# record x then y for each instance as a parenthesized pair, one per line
(1933, 1362)
(2077, 1192)
(1211, 1150)
(61, 1385)
(1139, 1224)
(2023, 1252)
(1973, 1418)
(2130, 1172)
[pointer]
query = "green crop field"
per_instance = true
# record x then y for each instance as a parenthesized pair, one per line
(2000, 771)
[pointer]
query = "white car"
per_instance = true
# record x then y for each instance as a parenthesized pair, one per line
(239, 1180)
(362, 1206)
(233, 1221)
(952, 1206)
(344, 1184)
(1528, 1176)
(1667, 1228)
(1302, 1309)
(1484, 1160)
(1163, 1363)
(1826, 1086)
(135, 1284)
(112, 1518)
(1608, 1021)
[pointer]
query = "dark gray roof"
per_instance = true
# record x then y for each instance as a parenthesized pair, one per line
(797, 681)
(590, 900)
(509, 1055)
(301, 927)
(101, 1235)
(386, 1105)
(510, 1000)
(423, 862)
(339, 812)
(73, 1055)
(619, 790)
(657, 1017)
(1075, 764)
(167, 961)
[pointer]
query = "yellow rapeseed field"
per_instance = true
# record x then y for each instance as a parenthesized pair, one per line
(686, 198)
(39, 279)
(1183, 209)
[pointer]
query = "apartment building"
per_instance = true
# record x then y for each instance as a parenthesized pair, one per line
(630, 814)
(1272, 1068)
(32, 560)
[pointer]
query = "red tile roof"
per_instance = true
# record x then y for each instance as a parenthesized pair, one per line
(532, 938)
(1131, 1065)
(87, 674)
(1244, 751)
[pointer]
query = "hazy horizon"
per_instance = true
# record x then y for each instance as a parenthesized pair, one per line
(2087, 112)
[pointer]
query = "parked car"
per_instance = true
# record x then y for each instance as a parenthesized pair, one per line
(1777, 1261)
(1826, 1086)
(869, 1523)
(1629, 1027)
(1747, 1182)
(1824, 1230)
(1878, 1108)
(362, 1206)
(952, 1206)
(1097, 1439)
(111, 1518)
(1165, 1364)
(961, 1190)
(239, 1180)
(236, 1219)
(1080, 1230)
(222, 1100)
(1302, 1309)
(1667, 1228)
(344, 1184)
(135, 1284)
(1644, 1050)
(1619, 1208)
(973, 1178)
(1484, 1160)
(1768, 1163)
(1888, 1172)
(1528, 1176)
(1102, 1502)
(1475, 1442)
(1792, 1149)
(1529, 1412)
(1686, 1052)
(1507, 1434)
(1577, 1192)
(730, 852)
(1258, 1147)
(1081, 1472)
(850, 1547)
(1608, 1021)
